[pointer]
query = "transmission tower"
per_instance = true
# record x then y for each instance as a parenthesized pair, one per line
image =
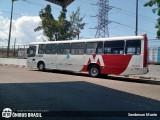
(102, 27)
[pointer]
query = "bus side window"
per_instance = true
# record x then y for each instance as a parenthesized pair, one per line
(99, 49)
(64, 48)
(114, 47)
(94, 47)
(41, 49)
(133, 47)
(78, 48)
(51, 49)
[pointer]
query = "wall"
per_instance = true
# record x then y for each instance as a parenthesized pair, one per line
(154, 55)
(13, 61)
(158, 54)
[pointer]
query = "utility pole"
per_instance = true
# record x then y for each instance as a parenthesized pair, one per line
(136, 32)
(10, 27)
(15, 47)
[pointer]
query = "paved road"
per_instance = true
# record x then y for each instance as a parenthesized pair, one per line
(24, 89)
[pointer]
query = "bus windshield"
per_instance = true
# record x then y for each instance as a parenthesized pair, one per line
(31, 51)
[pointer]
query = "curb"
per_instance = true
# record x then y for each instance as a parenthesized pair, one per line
(147, 77)
(12, 65)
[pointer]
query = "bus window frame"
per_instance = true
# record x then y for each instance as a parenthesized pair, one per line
(51, 49)
(34, 51)
(102, 47)
(58, 49)
(78, 48)
(140, 45)
(44, 49)
(106, 53)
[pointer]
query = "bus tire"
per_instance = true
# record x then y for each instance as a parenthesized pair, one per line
(41, 66)
(94, 71)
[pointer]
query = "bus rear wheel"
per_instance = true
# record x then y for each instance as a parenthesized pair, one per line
(41, 66)
(94, 71)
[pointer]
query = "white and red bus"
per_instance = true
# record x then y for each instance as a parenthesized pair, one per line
(116, 55)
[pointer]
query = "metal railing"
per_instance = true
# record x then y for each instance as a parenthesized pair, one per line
(18, 51)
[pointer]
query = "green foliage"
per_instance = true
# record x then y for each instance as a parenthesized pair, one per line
(77, 23)
(63, 26)
(150, 3)
(156, 3)
(48, 23)
(60, 29)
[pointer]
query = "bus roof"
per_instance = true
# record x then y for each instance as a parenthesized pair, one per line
(92, 40)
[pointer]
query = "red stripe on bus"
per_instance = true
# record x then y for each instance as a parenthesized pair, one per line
(145, 51)
(113, 64)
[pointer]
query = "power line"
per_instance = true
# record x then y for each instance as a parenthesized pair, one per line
(85, 1)
(127, 12)
(142, 1)
(29, 2)
(38, 4)
(4, 11)
(122, 10)
(132, 27)
(35, 3)
(153, 40)
(133, 13)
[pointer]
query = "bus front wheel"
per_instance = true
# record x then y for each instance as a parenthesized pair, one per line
(41, 66)
(94, 71)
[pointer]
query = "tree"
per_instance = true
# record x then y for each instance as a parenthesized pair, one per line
(48, 24)
(77, 23)
(60, 29)
(156, 9)
(63, 26)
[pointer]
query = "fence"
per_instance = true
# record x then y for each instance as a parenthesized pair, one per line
(18, 51)
(154, 55)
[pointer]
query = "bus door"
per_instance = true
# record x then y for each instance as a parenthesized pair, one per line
(31, 61)
(134, 57)
(114, 57)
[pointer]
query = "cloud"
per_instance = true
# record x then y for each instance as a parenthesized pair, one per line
(22, 30)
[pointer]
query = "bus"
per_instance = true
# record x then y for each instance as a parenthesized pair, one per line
(115, 55)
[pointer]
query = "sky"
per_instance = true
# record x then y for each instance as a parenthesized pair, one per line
(122, 17)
